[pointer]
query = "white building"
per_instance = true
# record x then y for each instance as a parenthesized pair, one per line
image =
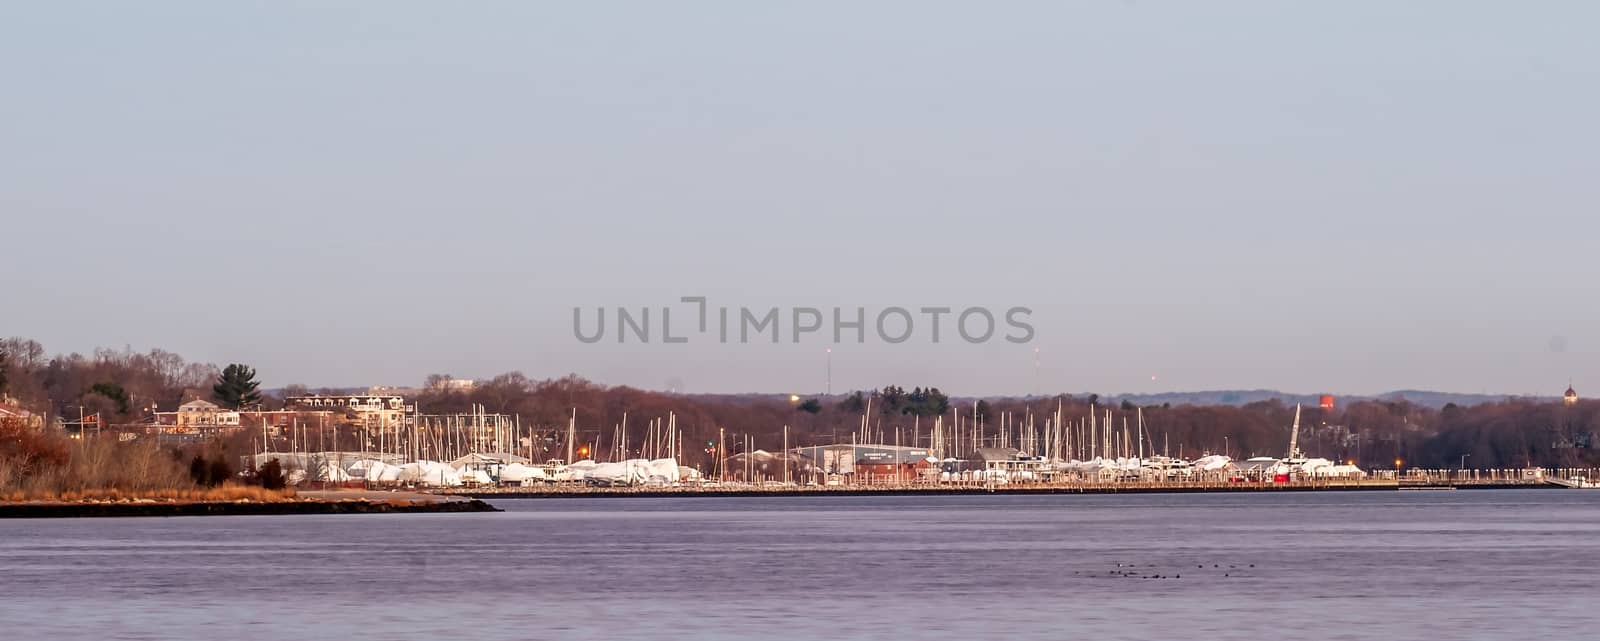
(384, 412)
(200, 413)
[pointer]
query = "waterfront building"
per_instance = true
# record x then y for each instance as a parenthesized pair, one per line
(867, 462)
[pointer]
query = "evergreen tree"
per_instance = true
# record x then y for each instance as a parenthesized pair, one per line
(891, 398)
(4, 361)
(114, 392)
(237, 387)
(199, 472)
(983, 410)
(853, 403)
(271, 475)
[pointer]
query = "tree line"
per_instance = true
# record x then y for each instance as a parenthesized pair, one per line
(123, 385)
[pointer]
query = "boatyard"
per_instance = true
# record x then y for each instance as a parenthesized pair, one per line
(1016, 459)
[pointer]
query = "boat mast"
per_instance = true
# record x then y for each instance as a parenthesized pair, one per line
(1294, 434)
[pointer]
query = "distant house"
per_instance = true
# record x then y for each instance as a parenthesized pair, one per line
(200, 414)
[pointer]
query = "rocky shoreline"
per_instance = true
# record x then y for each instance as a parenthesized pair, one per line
(236, 508)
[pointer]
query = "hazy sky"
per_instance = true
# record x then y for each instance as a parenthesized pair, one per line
(1340, 196)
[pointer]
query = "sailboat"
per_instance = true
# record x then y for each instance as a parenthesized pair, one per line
(1295, 461)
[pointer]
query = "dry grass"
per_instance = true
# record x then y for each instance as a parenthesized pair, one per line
(222, 494)
(37, 466)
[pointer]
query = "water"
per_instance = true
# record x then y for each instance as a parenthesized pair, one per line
(1446, 565)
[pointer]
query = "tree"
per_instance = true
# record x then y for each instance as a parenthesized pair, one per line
(199, 471)
(5, 359)
(209, 473)
(237, 387)
(271, 475)
(810, 406)
(854, 403)
(926, 402)
(437, 382)
(890, 398)
(114, 392)
(220, 471)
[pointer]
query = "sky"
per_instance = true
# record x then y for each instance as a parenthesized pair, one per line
(1344, 197)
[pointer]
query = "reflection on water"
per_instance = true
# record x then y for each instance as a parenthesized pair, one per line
(1447, 565)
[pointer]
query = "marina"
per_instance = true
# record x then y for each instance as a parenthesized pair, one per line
(1016, 458)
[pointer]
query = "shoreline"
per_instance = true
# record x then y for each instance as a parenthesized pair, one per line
(120, 509)
(476, 500)
(749, 492)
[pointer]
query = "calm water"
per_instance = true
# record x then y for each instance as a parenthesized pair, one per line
(1444, 565)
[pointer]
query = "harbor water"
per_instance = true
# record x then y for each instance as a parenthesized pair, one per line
(1483, 564)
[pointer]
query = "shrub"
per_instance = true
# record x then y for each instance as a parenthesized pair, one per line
(209, 472)
(199, 471)
(271, 475)
(221, 472)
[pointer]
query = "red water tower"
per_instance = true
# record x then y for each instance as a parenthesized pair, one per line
(1327, 402)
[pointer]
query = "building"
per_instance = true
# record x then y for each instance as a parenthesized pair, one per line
(462, 385)
(378, 412)
(10, 412)
(203, 415)
(1571, 397)
(869, 463)
(195, 418)
(1010, 462)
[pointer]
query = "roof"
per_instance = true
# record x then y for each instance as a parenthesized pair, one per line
(476, 458)
(12, 411)
(997, 454)
(200, 403)
(1571, 393)
(298, 398)
(863, 453)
